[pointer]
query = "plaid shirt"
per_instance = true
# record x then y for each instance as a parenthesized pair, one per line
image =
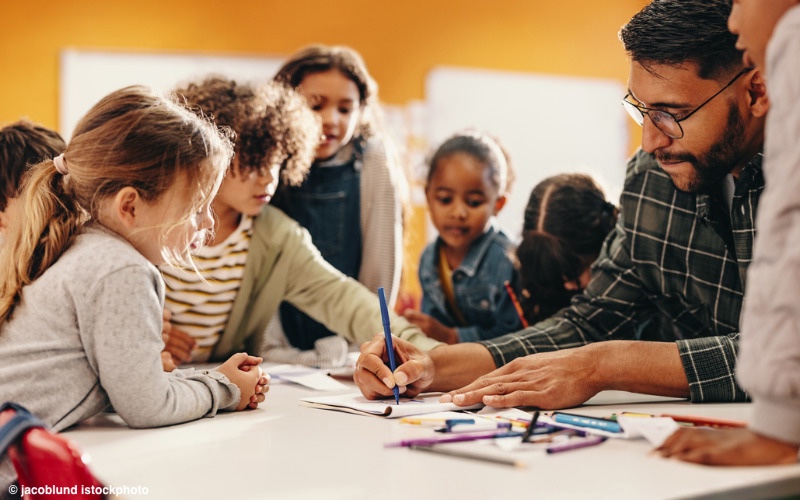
(672, 270)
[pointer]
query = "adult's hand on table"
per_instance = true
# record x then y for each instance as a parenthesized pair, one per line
(549, 380)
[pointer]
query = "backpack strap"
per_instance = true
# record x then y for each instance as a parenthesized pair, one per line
(17, 425)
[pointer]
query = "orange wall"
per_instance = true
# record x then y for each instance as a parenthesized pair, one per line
(400, 40)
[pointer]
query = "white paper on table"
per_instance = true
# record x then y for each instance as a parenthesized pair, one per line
(306, 376)
(356, 403)
(505, 413)
(654, 429)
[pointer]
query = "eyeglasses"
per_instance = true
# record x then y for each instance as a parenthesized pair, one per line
(666, 122)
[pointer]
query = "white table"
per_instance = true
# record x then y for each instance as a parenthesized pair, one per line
(287, 451)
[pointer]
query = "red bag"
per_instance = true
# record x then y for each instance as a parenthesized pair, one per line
(48, 465)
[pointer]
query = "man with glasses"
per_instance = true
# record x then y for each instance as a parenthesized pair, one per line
(680, 250)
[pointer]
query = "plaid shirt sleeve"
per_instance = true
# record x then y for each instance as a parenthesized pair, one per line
(709, 363)
(665, 274)
(609, 309)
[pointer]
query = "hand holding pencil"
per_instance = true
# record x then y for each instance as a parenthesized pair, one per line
(375, 380)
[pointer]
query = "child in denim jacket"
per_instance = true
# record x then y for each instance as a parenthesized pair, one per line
(463, 271)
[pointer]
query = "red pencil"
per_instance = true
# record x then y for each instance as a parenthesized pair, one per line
(516, 303)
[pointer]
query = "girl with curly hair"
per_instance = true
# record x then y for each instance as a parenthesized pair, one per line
(258, 256)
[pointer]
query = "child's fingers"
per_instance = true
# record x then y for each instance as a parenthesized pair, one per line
(237, 359)
(167, 363)
(255, 400)
(250, 361)
(410, 314)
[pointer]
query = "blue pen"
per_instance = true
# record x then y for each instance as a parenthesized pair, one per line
(583, 421)
(387, 331)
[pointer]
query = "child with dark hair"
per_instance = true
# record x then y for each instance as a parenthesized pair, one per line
(22, 144)
(566, 221)
(463, 272)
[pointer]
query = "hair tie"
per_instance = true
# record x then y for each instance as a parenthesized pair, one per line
(61, 164)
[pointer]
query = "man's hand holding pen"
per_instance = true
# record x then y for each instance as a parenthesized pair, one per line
(375, 380)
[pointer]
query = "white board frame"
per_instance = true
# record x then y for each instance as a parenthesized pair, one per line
(549, 124)
(86, 75)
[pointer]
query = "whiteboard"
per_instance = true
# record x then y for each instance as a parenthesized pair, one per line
(87, 76)
(549, 125)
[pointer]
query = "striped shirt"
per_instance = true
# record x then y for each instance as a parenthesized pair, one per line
(200, 308)
(673, 270)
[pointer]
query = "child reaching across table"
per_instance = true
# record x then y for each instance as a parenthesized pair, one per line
(463, 271)
(259, 256)
(81, 300)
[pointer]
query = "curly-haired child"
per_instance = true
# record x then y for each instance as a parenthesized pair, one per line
(259, 256)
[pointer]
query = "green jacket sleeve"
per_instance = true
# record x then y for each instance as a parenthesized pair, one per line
(283, 264)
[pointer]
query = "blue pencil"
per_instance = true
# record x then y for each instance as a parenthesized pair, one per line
(387, 331)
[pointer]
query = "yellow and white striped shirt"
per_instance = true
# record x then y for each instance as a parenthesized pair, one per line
(200, 308)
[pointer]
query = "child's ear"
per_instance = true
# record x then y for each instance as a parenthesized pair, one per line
(759, 101)
(499, 204)
(572, 286)
(124, 207)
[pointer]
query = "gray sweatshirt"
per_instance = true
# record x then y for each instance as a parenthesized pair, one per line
(86, 337)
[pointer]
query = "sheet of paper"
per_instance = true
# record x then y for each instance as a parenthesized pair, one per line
(356, 403)
(653, 429)
(514, 414)
(306, 376)
(345, 372)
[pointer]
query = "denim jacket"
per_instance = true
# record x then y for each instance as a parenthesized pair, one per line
(477, 285)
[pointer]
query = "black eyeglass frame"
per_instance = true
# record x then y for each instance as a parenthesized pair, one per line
(629, 107)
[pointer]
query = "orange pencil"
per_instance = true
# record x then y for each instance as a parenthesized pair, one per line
(706, 421)
(516, 303)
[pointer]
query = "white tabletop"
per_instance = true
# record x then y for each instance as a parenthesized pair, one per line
(287, 451)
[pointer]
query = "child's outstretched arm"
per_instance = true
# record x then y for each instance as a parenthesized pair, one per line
(727, 447)
(243, 370)
(432, 327)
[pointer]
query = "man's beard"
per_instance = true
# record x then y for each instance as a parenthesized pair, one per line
(719, 161)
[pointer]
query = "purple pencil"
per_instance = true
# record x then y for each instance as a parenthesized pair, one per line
(452, 439)
(574, 444)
